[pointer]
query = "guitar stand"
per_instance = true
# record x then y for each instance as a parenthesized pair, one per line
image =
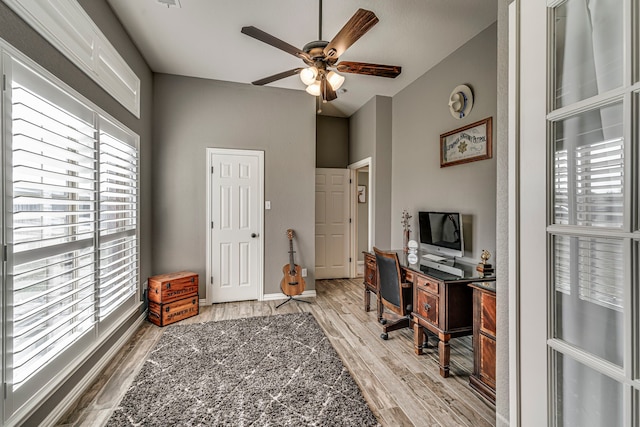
(291, 298)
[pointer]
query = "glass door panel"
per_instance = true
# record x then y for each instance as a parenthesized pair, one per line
(588, 49)
(589, 168)
(585, 397)
(589, 295)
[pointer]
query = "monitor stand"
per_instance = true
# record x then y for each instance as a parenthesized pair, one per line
(446, 266)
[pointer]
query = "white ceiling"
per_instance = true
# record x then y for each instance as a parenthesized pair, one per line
(203, 39)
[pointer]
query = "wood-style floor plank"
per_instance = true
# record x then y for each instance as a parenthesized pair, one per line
(401, 388)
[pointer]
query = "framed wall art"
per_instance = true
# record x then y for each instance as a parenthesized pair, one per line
(466, 144)
(362, 194)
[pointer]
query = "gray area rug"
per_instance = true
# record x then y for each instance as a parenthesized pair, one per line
(261, 371)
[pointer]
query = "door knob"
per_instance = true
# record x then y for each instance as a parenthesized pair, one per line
(254, 235)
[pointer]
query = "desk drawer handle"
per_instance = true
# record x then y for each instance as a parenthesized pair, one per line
(427, 307)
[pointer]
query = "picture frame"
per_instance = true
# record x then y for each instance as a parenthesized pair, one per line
(362, 194)
(467, 144)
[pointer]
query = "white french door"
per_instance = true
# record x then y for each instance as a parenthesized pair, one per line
(332, 223)
(235, 216)
(578, 213)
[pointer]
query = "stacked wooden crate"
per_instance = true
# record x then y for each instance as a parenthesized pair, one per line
(172, 297)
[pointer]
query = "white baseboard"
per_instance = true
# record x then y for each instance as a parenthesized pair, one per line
(279, 295)
(82, 386)
(501, 421)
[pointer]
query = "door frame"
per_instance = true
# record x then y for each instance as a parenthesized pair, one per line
(354, 209)
(261, 174)
(513, 246)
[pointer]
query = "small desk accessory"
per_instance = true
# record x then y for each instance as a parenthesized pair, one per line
(483, 267)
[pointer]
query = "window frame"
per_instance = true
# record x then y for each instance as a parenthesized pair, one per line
(21, 403)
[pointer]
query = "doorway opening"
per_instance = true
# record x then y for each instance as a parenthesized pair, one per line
(362, 202)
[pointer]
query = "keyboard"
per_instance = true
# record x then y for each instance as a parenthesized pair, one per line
(432, 257)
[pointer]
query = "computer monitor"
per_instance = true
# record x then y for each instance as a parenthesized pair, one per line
(441, 233)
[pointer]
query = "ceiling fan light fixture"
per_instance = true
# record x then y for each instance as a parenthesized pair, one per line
(308, 75)
(335, 80)
(314, 88)
(320, 55)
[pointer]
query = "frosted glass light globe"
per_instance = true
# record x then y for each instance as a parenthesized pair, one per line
(314, 89)
(308, 75)
(335, 80)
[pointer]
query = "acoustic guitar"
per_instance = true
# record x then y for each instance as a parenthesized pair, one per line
(292, 283)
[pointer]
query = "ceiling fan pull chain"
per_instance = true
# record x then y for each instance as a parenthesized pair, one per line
(320, 21)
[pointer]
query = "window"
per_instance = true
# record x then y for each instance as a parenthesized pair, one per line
(71, 223)
(118, 218)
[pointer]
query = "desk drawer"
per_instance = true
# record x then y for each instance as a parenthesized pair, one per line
(408, 277)
(429, 285)
(488, 314)
(370, 272)
(370, 261)
(426, 305)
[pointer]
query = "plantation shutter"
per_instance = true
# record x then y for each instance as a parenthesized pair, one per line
(52, 222)
(600, 203)
(588, 192)
(599, 179)
(118, 250)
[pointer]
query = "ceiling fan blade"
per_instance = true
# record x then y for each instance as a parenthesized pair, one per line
(356, 27)
(275, 77)
(391, 71)
(327, 92)
(275, 42)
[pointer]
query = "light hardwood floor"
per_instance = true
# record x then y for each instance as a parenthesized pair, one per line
(401, 388)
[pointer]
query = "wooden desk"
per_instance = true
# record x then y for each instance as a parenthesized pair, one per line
(442, 302)
(483, 379)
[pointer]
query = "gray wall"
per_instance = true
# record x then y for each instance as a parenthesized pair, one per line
(370, 136)
(332, 142)
(192, 115)
(420, 115)
(22, 37)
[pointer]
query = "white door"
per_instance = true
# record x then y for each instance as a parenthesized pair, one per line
(579, 235)
(236, 218)
(332, 223)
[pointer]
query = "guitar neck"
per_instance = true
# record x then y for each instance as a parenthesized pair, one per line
(292, 264)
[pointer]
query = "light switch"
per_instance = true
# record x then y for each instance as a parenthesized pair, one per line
(304, 272)
(267, 204)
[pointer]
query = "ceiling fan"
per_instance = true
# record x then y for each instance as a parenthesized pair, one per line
(321, 56)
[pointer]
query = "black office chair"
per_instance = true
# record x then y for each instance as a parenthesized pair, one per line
(393, 294)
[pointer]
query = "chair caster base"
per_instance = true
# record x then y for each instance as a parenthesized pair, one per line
(383, 321)
(384, 336)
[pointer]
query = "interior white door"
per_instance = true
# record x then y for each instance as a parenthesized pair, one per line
(236, 225)
(332, 223)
